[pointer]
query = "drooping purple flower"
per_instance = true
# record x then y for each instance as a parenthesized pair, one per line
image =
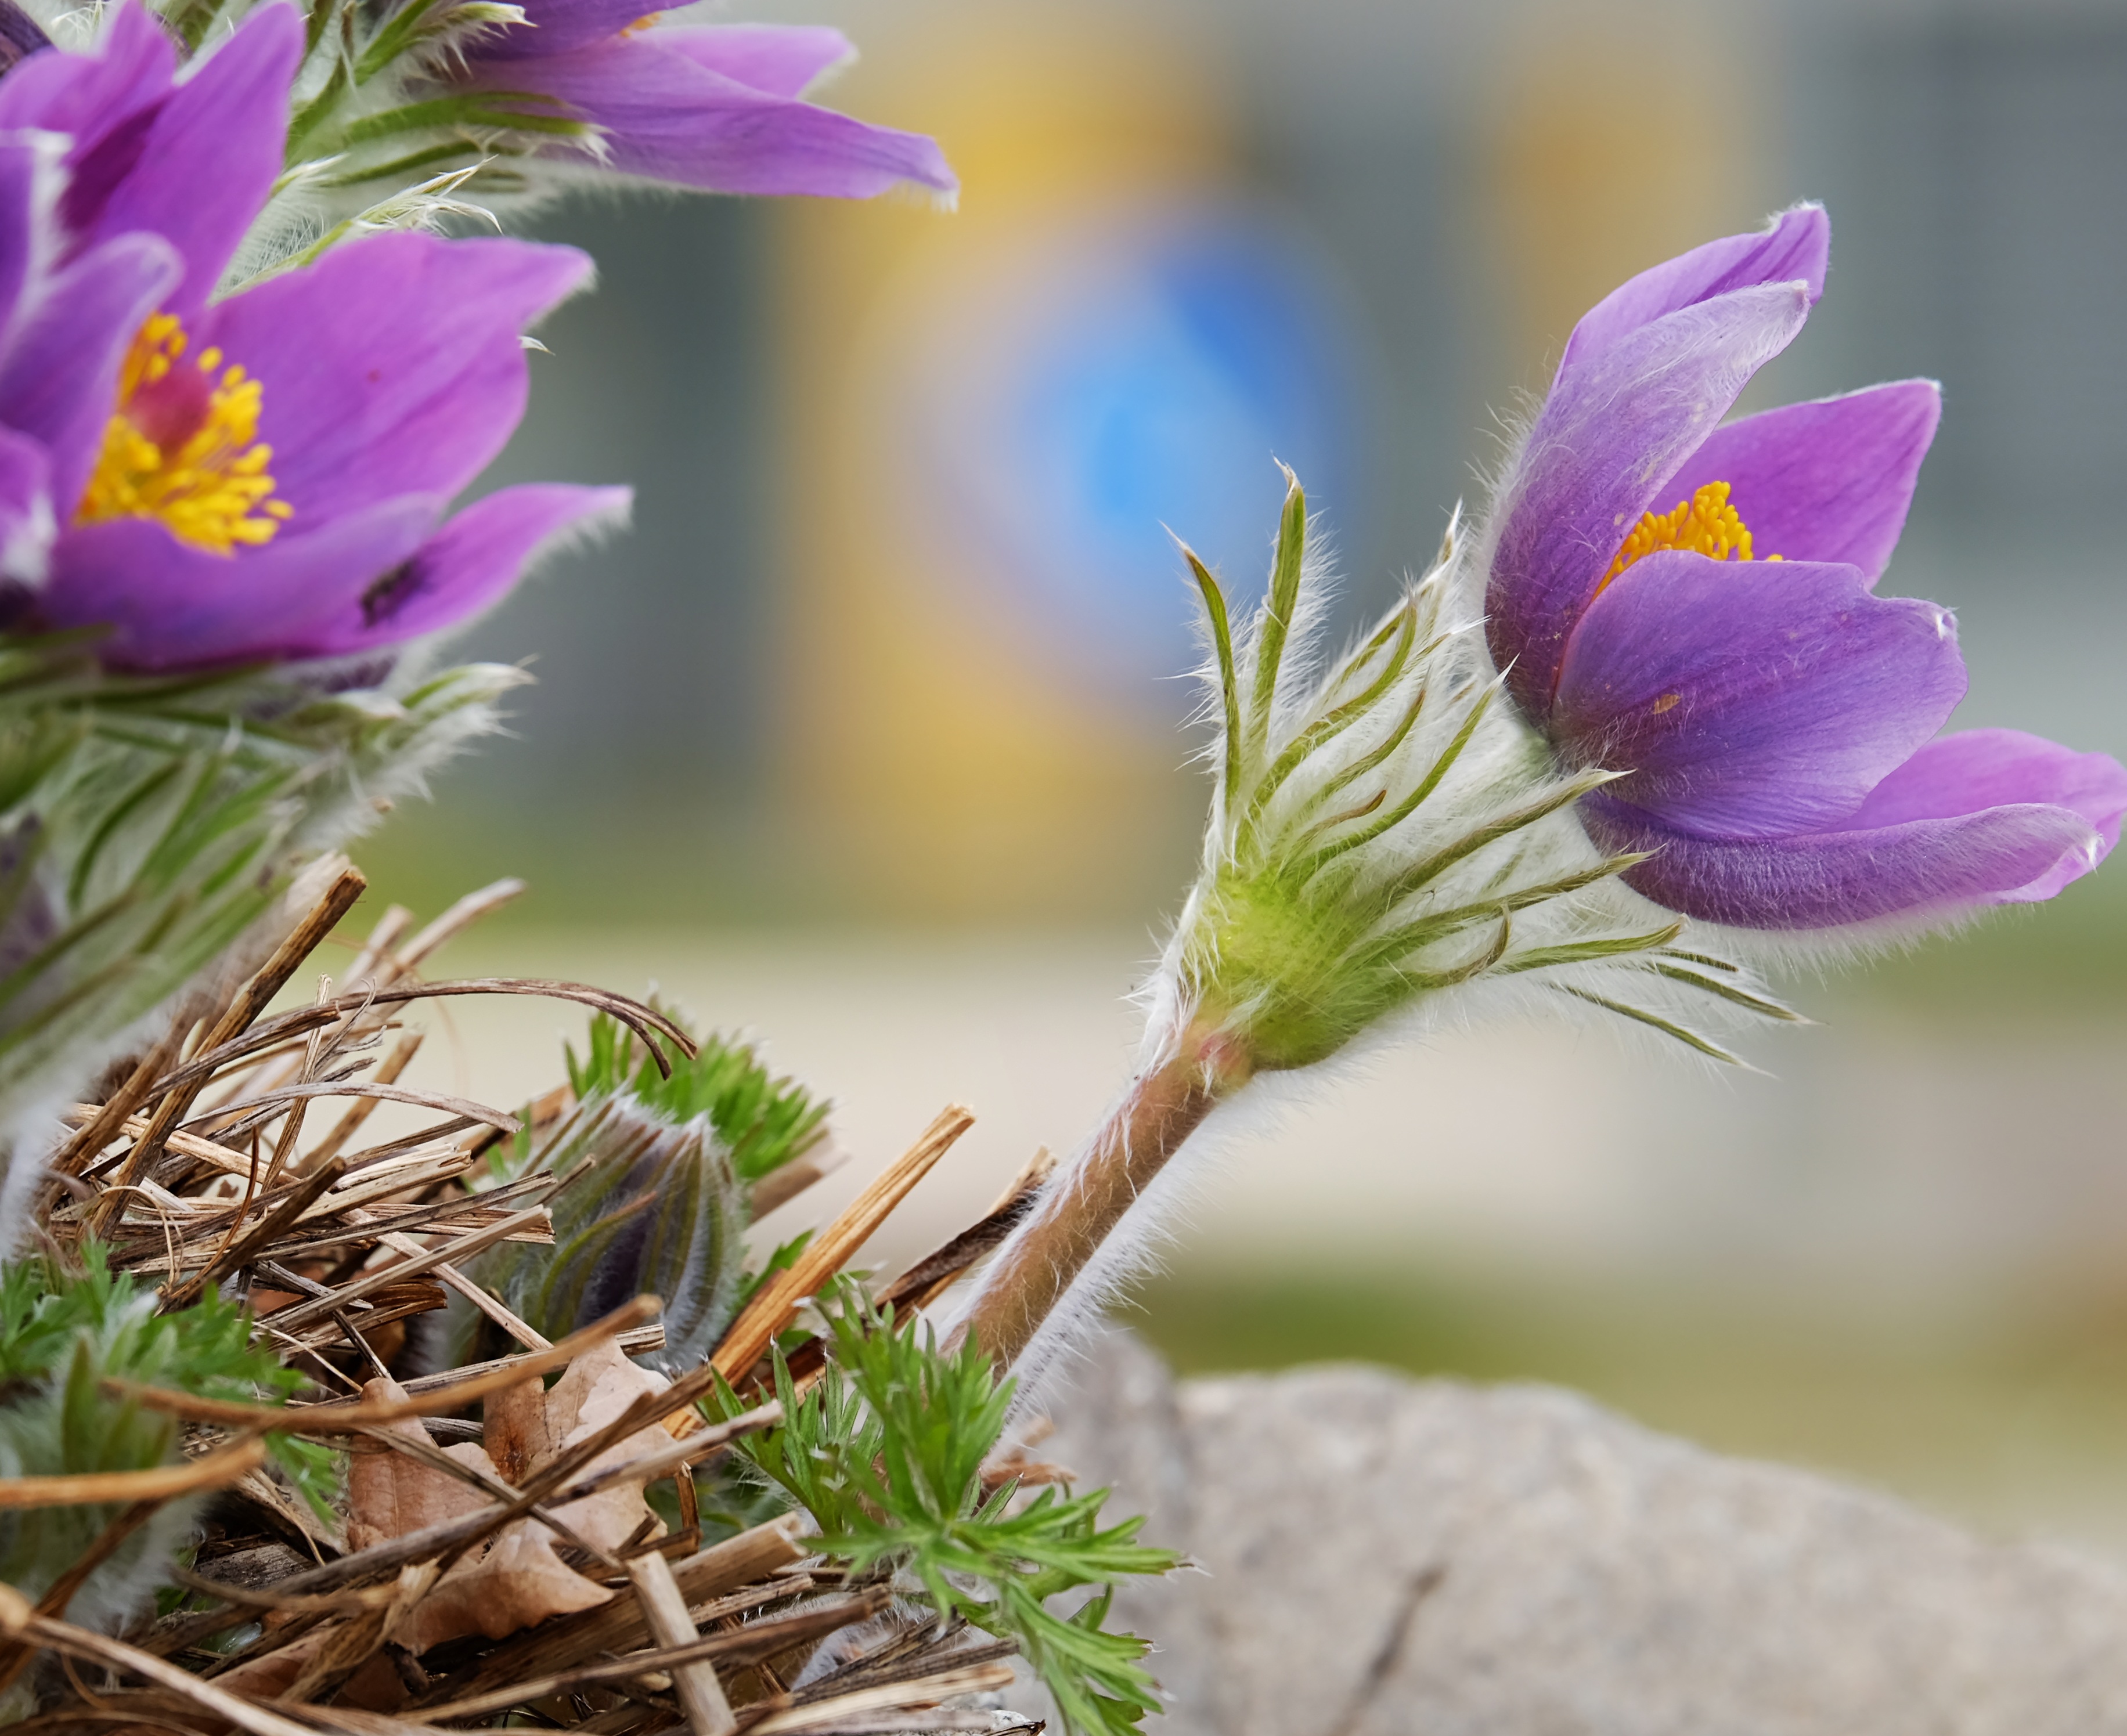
(265, 476)
(1694, 604)
(720, 108)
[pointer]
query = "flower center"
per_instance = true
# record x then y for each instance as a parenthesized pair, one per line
(1706, 524)
(182, 447)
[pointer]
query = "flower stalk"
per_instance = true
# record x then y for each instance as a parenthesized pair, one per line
(1386, 837)
(1080, 1211)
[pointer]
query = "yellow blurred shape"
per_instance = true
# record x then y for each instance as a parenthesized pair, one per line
(930, 763)
(1617, 136)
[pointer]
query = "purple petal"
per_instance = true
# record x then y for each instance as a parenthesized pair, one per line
(196, 167)
(1931, 869)
(1752, 698)
(1794, 248)
(26, 509)
(392, 365)
(177, 606)
(474, 561)
(1830, 480)
(669, 117)
(83, 94)
(1982, 769)
(1615, 427)
(562, 27)
(58, 370)
(776, 59)
(18, 226)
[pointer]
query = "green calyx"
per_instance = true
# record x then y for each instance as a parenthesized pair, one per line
(1378, 831)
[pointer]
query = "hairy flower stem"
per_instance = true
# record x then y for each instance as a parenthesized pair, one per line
(1089, 1198)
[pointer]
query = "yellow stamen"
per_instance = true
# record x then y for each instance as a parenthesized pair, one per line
(1706, 524)
(183, 447)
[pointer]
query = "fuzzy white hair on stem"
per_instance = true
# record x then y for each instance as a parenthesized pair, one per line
(1390, 848)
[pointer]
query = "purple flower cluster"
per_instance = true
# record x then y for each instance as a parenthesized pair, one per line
(1694, 603)
(269, 475)
(265, 475)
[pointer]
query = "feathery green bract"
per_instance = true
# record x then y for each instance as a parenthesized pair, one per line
(886, 1453)
(146, 821)
(763, 1120)
(1383, 834)
(61, 1335)
(374, 110)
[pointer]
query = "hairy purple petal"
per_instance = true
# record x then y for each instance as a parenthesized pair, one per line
(1977, 769)
(776, 59)
(174, 606)
(560, 26)
(192, 162)
(83, 94)
(392, 365)
(196, 167)
(1932, 869)
(473, 560)
(58, 370)
(1830, 480)
(1616, 427)
(1795, 247)
(1752, 698)
(370, 578)
(667, 115)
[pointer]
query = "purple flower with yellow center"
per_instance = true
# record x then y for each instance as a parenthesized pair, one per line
(265, 476)
(1693, 603)
(720, 108)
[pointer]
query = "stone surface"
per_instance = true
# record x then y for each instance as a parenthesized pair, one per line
(1383, 1556)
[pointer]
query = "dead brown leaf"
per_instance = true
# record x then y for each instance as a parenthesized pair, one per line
(598, 1386)
(518, 1579)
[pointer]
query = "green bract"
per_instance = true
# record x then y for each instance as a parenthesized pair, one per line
(765, 1120)
(146, 821)
(1384, 831)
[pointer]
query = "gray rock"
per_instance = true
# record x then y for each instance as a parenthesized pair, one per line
(1381, 1554)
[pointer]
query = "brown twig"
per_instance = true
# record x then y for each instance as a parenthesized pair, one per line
(348, 1419)
(85, 1488)
(775, 1303)
(242, 1012)
(19, 1621)
(291, 1207)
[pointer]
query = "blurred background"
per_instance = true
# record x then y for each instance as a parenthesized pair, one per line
(870, 738)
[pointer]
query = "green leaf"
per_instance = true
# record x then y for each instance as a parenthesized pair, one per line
(764, 1118)
(62, 1334)
(886, 1452)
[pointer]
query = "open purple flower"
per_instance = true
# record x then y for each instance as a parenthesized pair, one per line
(265, 476)
(1692, 605)
(721, 107)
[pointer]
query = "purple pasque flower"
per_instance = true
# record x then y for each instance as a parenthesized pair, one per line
(720, 108)
(265, 476)
(1693, 604)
